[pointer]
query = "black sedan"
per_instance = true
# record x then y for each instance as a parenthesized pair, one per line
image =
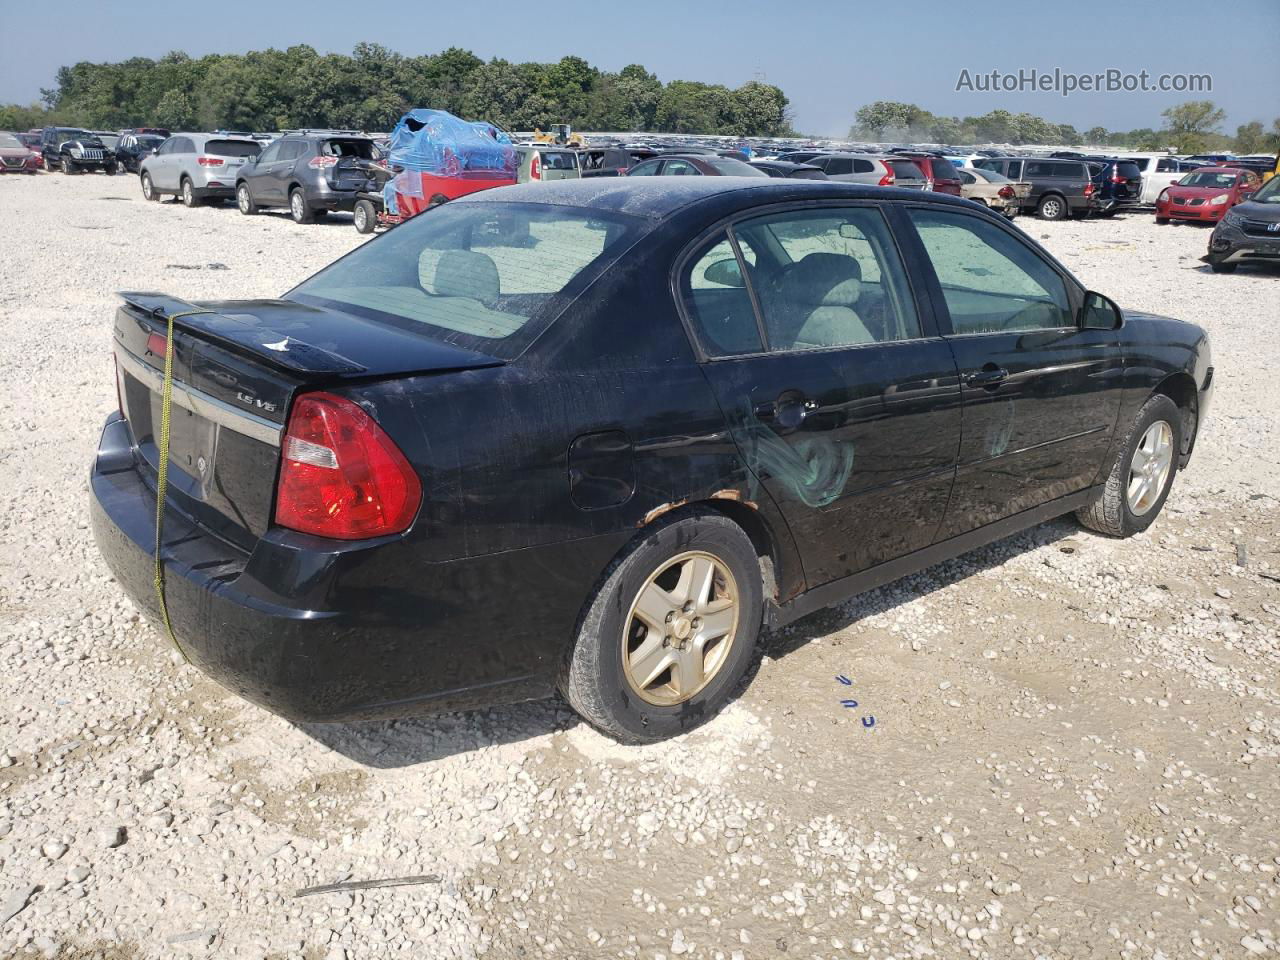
(458, 467)
(784, 169)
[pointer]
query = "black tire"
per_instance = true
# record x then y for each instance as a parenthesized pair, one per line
(1223, 267)
(109, 170)
(298, 208)
(1110, 513)
(1052, 207)
(244, 200)
(187, 190)
(1161, 221)
(365, 216)
(149, 191)
(437, 200)
(69, 166)
(593, 679)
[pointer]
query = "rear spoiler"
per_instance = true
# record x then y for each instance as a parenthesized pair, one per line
(242, 334)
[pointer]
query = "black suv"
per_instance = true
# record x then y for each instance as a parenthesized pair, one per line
(71, 150)
(1117, 183)
(1059, 188)
(133, 147)
(310, 173)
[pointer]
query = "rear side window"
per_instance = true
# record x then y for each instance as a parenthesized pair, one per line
(486, 276)
(991, 281)
(863, 166)
(647, 169)
(716, 298)
(943, 169)
(233, 148)
(838, 166)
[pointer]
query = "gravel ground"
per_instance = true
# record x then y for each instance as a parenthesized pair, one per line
(1064, 746)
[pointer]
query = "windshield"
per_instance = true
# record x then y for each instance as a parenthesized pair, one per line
(1203, 178)
(1270, 192)
(65, 133)
(991, 176)
(150, 143)
(9, 142)
(486, 276)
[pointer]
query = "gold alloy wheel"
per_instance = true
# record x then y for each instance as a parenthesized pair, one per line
(680, 629)
(1149, 468)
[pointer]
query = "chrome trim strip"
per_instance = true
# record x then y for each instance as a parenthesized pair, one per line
(200, 403)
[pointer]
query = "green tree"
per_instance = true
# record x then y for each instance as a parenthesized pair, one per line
(888, 119)
(1250, 138)
(1190, 125)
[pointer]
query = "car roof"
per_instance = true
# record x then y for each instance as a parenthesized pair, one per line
(661, 197)
(1218, 168)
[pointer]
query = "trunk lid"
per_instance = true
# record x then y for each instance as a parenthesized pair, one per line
(236, 367)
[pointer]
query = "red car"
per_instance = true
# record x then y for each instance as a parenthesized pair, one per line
(15, 157)
(1205, 194)
(940, 174)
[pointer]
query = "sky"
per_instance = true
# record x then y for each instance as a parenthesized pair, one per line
(829, 59)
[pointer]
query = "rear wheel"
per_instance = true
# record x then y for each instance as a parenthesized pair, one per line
(1223, 267)
(244, 200)
(148, 188)
(298, 208)
(1161, 221)
(670, 632)
(1142, 473)
(1052, 208)
(365, 216)
(189, 197)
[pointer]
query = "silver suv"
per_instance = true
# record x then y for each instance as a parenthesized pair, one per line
(884, 171)
(196, 167)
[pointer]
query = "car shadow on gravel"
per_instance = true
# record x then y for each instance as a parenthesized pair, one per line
(408, 742)
(919, 585)
(404, 743)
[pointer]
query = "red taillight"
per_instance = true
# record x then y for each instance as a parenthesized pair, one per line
(1006, 192)
(322, 162)
(341, 476)
(535, 168)
(209, 161)
(887, 180)
(157, 344)
(1088, 189)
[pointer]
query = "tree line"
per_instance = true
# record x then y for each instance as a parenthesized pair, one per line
(371, 89)
(1192, 127)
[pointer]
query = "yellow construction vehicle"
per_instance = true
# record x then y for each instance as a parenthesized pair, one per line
(561, 135)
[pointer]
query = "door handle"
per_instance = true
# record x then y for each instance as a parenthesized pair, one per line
(788, 411)
(990, 376)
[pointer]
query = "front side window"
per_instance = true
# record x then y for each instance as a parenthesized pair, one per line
(484, 275)
(992, 282)
(271, 154)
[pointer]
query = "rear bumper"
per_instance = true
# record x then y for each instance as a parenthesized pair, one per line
(319, 630)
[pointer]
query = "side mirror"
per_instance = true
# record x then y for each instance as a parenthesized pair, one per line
(1100, 313)
(725, 273)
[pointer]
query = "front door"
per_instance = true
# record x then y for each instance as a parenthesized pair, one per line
(1041, 394)
(840, 397)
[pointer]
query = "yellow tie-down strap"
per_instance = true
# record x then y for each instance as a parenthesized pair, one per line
(162, 476)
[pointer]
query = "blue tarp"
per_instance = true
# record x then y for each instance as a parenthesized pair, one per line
(436, 142)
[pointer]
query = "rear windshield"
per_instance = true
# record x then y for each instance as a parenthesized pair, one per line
(363, 149)
(560, 161)
(485, 276)
(943, 169)
(904, 170)
(733, 168)
(233, 148)
(1128, 169)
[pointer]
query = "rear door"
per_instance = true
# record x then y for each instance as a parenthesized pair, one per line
(280, 173)
(234, 154)
(841, 398)
(1041, 395)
